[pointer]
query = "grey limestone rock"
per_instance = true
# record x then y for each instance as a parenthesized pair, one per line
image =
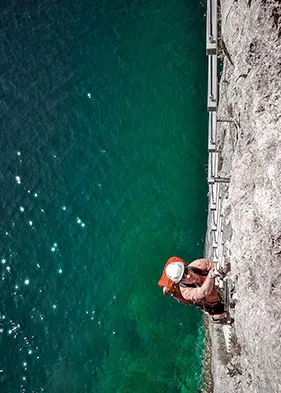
(250, 91)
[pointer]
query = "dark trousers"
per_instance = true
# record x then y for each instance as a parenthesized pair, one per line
(216, 309)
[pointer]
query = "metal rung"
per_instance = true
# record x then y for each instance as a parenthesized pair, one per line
(213, 195)
(219, 179)
(225, 120)
(215, 238)
(213, 226)
(214, 244)
(213, 166)
(211, 27)
(212, 131)
(215, 219)
(215, 256)
(212, 100)
(221, 258)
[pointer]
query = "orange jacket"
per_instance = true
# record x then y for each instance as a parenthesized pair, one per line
(189, 295)
(169, 286)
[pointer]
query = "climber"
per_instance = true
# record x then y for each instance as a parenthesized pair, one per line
(194, 284)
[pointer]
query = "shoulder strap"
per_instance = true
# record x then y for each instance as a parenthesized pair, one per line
(200, 272)
(187, 285)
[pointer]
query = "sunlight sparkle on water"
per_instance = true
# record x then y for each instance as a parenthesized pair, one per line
(53, 248)
(79, 221)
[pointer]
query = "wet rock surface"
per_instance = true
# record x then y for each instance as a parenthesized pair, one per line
(250, 92)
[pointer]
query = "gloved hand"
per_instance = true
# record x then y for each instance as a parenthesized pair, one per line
(213, 273)
(223, 271)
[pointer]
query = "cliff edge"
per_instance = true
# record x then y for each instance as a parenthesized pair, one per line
(250, 154)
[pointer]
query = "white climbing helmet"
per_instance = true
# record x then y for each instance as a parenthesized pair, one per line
(175, 271)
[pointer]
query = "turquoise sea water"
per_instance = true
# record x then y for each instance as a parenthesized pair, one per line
(103, 155)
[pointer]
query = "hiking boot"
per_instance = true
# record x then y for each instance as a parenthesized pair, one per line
(223, 321)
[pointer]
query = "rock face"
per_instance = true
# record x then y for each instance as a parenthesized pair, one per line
(250, 92)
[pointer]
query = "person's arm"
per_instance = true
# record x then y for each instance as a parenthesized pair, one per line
(197, 294)
(204, 264)
(208, 285)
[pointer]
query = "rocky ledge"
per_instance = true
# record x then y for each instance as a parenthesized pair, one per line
(250, 154)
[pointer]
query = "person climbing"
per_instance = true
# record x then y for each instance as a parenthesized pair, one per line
(194, 284)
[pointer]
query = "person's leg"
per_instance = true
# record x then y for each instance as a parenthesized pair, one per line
(222, 319)
(217, 311)
(219, 316)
